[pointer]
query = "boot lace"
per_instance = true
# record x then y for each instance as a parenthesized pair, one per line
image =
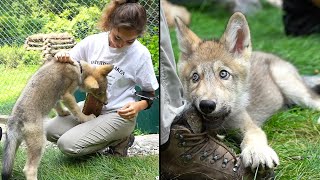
(200, 144)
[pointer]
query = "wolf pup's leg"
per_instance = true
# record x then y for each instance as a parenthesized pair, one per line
(35, 149)
(70, 101)
(12, 142)
(61, 112)
(292, 86)
(255, 150)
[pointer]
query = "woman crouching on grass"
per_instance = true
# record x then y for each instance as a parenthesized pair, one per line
(122, 22)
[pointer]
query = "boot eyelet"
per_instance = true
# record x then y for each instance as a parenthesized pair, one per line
(186, 158)
(215, 158)
(234, 169)
(177, 135)
(202, 158)
(181, 136)
(205, 153)
(224, 163)
(181, 144)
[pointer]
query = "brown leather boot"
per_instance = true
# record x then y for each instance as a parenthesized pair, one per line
(198, 156)
(121, 149)
(191, 153)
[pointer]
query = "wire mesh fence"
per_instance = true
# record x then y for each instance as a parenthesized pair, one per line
(20, 19)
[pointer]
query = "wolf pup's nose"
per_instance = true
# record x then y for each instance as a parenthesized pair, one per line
(207, 106)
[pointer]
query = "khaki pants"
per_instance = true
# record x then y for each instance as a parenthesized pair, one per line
(75, 139)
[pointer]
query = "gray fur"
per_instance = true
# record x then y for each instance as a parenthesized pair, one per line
(259, 85)
(52, 82)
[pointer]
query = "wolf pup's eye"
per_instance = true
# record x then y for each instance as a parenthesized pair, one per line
(195, 77)
(224, 74)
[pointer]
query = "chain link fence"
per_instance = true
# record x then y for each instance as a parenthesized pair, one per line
(20, 19)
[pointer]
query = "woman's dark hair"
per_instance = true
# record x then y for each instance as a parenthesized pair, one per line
(125, 14)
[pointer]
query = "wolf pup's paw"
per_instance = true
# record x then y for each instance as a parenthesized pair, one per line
(263, 156)
(64, 113)
(86, 118)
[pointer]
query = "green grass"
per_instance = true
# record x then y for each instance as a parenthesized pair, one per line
(55, 165)
(12, 81)
(293, 133)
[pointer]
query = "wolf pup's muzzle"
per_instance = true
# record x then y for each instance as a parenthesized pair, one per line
(207, 106)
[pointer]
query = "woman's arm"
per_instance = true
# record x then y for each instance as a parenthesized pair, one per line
(131, 109)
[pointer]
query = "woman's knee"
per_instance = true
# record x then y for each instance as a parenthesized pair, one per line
(68, 147)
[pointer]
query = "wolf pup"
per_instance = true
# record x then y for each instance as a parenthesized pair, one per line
(235, 88)
(52, 82)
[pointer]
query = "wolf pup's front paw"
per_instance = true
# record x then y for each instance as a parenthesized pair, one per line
(64, 113)
(86, 118)
(255, 155)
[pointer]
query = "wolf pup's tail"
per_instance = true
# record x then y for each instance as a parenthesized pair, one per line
(12, 141)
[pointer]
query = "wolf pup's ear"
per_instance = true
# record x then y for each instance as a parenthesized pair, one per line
(105, 69)
(237, 36)
(90, 83)
(188, 41)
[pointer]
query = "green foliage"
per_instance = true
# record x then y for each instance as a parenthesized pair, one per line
(12, 57)
(56, 24)
(8, 28)
(31, 58)
(152, 43)
(85, 22)
(80, 26)
(138, 132)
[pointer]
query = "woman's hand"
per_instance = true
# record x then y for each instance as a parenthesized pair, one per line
(63, 57)
(131, 110)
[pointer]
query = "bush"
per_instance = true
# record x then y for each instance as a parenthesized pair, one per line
(85, 23)
(31, 58)
(13, 30)
(82, 25)
(152, 43)
(56, 24)
(13, 57)
(8, 29)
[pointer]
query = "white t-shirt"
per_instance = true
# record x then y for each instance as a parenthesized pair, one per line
(132, 66)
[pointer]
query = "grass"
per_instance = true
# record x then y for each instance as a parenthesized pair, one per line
(293, 133)
(12, 81)
(55, 165)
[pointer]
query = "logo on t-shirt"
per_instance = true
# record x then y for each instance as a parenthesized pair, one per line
(99, 62)
(120, 71)
(116, 68)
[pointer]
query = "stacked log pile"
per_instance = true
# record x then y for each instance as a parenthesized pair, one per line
(49, 44)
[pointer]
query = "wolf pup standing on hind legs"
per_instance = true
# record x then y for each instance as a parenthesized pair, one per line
(235, 88)
(51, 82)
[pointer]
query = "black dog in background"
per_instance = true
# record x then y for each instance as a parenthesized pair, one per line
(301, 17)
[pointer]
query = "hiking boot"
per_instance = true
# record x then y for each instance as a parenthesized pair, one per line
(121, 149)
(192, 153)
(199, 156)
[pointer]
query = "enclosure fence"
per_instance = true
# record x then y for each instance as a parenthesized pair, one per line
(21, 18)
